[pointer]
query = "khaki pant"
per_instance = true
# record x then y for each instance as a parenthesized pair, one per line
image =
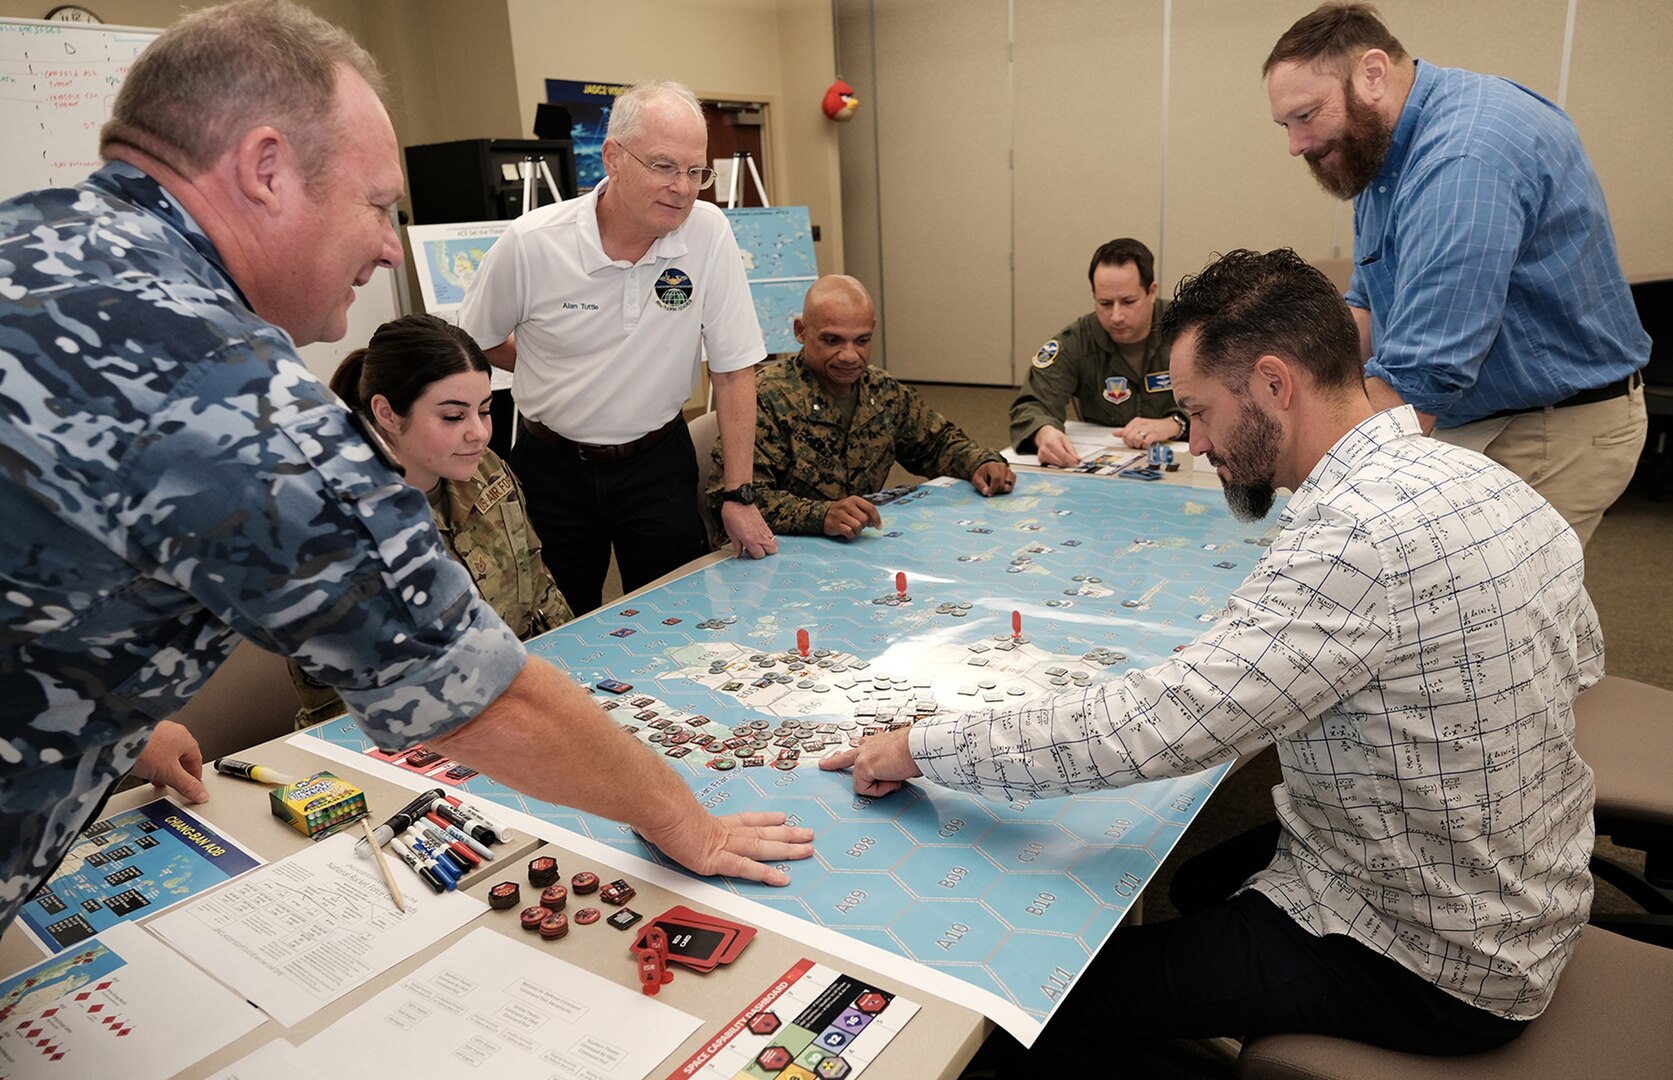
(1580, 458)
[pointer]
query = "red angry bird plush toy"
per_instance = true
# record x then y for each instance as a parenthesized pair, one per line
(840, 102)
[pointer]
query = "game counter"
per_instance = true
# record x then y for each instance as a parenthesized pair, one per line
(936, 1042)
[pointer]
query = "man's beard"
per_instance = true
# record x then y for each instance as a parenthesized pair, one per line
(1361, 147)
(1253, 449)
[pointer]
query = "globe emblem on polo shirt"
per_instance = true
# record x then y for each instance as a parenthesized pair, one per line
(674, 288)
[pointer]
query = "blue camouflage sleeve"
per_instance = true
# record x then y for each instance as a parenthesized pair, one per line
(256, 494)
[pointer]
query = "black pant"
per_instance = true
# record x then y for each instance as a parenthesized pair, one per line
(502, 409)
(1241, 968)
(644, 506)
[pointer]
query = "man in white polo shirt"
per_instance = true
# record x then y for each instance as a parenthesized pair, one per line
(603, 307)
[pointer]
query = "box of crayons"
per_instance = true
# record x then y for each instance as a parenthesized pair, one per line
(317, 806)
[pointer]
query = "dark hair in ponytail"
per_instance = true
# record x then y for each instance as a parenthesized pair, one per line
(403, 358)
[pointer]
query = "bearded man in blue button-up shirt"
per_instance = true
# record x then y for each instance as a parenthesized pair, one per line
(1486, 285)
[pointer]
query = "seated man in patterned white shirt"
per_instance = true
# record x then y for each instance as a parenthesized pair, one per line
(1412, 642)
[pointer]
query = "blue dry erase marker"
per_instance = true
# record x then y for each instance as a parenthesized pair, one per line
(463, 858)
(406, 855)
(479, 851)
(443, 869)
(470, 841)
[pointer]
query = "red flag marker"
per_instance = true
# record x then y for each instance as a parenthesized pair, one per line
(801, 642)
(1016, 624)
(900, 582)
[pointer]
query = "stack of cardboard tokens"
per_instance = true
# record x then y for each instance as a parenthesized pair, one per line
(543, 871)
(554, 897)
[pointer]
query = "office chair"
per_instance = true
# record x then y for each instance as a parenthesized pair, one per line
(1609, 1017)
(1624, 731)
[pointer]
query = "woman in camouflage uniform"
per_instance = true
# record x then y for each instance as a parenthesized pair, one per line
(422, 385)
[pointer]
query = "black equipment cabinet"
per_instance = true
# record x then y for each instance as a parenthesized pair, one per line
(478, 179)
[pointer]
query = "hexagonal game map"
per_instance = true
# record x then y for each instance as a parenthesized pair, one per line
(1066, 582)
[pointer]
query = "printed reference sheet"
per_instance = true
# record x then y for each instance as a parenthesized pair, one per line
(295, 935)
(494, 1006)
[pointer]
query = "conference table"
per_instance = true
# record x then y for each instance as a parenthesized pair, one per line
(937, 1042)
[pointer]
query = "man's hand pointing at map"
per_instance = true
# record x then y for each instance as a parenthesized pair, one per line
(880, 763)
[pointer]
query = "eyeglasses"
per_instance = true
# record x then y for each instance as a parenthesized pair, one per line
(668, 172)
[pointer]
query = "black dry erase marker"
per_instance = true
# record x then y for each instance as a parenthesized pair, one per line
(401, 819)
(451, 814)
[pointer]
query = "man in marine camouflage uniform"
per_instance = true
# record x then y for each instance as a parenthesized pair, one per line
(171, 475)
(829, 425)
(1109, 361)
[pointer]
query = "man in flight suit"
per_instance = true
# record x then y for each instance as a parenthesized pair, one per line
(1110, 362)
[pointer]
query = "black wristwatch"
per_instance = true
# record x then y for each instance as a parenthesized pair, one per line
(743, 493)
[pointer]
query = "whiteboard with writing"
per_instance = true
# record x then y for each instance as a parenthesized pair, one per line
(58, 82)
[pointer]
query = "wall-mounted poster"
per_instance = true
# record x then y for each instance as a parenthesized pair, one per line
(589, 105)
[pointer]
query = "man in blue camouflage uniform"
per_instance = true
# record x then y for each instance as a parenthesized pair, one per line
(171, 475)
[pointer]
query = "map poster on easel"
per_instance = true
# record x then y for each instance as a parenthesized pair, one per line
(777, 245)
(129, 865)
(447, 258)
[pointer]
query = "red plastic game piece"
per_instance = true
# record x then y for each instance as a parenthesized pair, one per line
(652, 957)
(801, 642)
(1016, 624)
(900, 582)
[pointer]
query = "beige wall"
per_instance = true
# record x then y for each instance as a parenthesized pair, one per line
(778, 52)
(1065, 135)
(774, 51)
(1620, 48)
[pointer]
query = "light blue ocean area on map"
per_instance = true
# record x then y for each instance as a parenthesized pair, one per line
(777, 246)
(1014, 898)
(452, 264)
